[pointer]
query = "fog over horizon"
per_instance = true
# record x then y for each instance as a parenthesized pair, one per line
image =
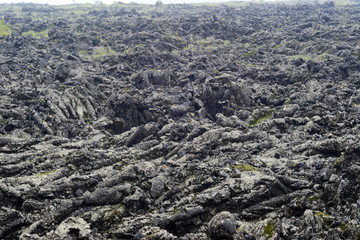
(63, 2)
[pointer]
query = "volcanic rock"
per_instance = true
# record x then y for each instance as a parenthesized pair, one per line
(222, 121)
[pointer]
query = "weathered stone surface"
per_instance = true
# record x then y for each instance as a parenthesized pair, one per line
(222, 226)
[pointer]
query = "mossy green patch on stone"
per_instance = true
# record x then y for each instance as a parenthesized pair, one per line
(321, 214)
(45, 174)
(339, 160)
(102, 52)
(5, 29)
(245, 167)
(324, 216)
(260, 118)
(36, 35)
(277, 46)
(269, 229)
(250, 54)
(227, 43)
(86, 116)
(313, 198)
(345, 227)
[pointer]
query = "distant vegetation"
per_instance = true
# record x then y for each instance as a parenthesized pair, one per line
(37, 35)
(5, 29)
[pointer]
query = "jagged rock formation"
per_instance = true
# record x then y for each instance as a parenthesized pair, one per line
(238, 121)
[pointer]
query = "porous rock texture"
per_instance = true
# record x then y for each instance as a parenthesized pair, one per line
(234, 121)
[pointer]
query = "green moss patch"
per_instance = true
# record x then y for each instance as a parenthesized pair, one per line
(260, 118)
(269, 229)
(36, 35)
(245, 167)
(250, 54)
(45, 174)
(324, 216)
(102, 52)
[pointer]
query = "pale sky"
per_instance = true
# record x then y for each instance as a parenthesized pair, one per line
(58, 2)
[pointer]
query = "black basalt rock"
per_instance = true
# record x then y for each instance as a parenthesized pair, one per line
(179, 121)
(222, 226)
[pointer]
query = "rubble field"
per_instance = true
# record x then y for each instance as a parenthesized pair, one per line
(190, 122)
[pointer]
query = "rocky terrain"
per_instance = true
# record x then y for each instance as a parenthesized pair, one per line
(227, 121)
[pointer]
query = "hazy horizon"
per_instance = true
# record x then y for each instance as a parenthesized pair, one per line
(63, 2)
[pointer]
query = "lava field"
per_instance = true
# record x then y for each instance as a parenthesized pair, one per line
(236, 121)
